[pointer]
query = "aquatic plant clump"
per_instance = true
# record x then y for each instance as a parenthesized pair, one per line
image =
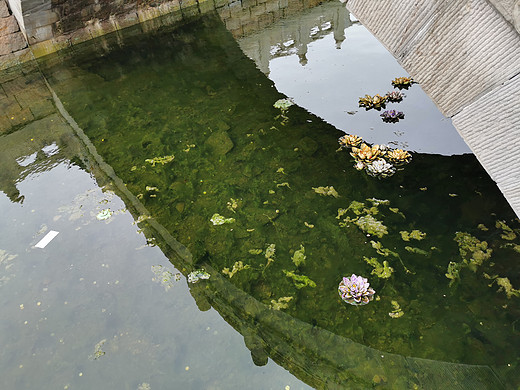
(104, 214)
(350, 140)
(283, 104)
(398, 157)
(160, 160)
(380, 168)
(366, 153)
(355, 290)
(402, 82)
(376, 102)
(392, 116)
(394, 96)
(327, 191)
(473, 251)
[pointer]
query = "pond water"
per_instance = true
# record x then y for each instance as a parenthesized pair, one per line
(165, 155)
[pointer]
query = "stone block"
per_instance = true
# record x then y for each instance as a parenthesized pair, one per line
(21, 117)
(12, 42)
(249, 27)
(42, 108)
(40, 34)
(5, 125)
(8, 25)
(206, 6)
(265, 20)
(41, 49)
(272, 6)
(258, 10)
(221, 3)
(126, 20)
(248, 3)
(4, 11)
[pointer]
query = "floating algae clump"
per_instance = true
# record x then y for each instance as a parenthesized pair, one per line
(419, 251)
(281, 303)
(414, 234)
(238, 266)
(381, 271)
(300, 281)
(453, 271)
(473, 251)
(329, 190)
(370, 225)
(269, 254)
(218, 219)
(299, 256)
(508, 233)
(504, 284)
(160, 160)
(397, 311)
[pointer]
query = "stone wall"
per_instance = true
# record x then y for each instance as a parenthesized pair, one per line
(12, 41)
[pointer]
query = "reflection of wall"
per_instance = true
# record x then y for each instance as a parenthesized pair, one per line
(293, 35)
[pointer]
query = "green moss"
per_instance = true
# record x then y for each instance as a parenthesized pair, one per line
(504, 285)
(329, 190)
(368, 224)
(238, 266)
(413, 235)
(473, 251)
(160, 160)
(453, 271)
(217, 219)
(507, 233)
(281, 303)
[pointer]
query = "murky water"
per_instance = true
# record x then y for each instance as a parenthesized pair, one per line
(174, 129)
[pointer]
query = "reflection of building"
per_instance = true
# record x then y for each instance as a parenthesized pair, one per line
(289, 37)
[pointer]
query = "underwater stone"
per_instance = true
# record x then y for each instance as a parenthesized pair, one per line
(307, 145)
(219, 143)
(355, 290)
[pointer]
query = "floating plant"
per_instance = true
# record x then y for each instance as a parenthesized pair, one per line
(350, 140)
(238, 266)
(370, 225)
(402, 82)
(383, 271)
(413, 235)
(504, 284)
(281, 303)
(380, 168)
(104, 214)
(507, 233)
(299, 256)
(283, 105)
(394, 96)
(473, 251)
(392, 116)
(376, 102)
(365, 153)
(398, 156)
(355, 290)
(300, 281)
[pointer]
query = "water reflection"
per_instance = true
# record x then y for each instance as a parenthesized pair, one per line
(190, 93)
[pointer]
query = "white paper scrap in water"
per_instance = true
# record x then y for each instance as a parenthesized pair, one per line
(45, 240)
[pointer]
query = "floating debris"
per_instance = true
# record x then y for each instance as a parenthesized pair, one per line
(329, 190)
(355, 290)
(104, 214)
(238, 266)
(269, 254)
(98, 352)
(392, 116)
(283, 104)
(199, 274)
(418, 251)
(164, 277)
(300, 281)
(394, 96)
(232, 205)
(397, 311)
(299, 256)
(350, 140)
(281, 303)
(402, 82)
(377, 102)
(309, 225)
(218, 219)
(160, 160)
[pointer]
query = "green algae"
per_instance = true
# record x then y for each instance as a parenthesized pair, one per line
(280, 303)
(507, 233)
(383, 271)
(232, 205)
(300, 281)
(453, 272)
(396, 312)
(413, 235)
(368, 224)
(237, 267)
(160, 160)
(299, 257)
(419, 251)
(217, 219)
(472, 251)
(504, 284)
(326, 191)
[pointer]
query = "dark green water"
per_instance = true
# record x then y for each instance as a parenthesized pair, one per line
(191, 93)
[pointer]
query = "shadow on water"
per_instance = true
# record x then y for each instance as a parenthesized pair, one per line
(190, 93)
